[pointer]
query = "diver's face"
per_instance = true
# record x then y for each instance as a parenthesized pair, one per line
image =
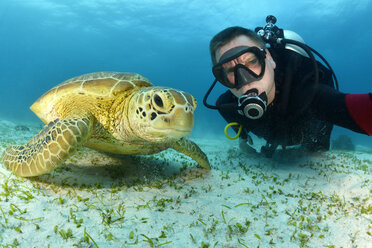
(266, 84)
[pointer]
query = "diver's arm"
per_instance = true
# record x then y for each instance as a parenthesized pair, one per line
(244, 145)
(351, 111)
(360, 109)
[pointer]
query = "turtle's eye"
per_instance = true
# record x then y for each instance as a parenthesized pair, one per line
(158, 101)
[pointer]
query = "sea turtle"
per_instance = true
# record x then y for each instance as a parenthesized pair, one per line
(120, 113)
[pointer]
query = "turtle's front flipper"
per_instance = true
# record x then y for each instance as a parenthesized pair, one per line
(49, 148)
(192, 150)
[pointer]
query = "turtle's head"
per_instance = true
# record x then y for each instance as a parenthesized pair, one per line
(160, 114)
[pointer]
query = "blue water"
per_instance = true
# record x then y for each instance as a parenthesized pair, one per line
(44, 42)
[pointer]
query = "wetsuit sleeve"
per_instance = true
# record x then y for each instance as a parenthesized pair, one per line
(360, 109)
(350, 111)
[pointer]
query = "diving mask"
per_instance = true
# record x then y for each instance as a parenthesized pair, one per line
(237, 67)
(240, 66)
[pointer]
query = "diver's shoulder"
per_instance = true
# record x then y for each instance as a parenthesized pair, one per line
(284, 55)
(226, 97)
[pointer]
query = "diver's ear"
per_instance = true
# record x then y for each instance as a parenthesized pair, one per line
(270, 59)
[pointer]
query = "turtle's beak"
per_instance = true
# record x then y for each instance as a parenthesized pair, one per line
(178, 123)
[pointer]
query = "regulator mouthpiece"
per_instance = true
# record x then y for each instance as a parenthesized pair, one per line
(252, 105)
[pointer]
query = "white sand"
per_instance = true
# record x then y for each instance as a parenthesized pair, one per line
(323, 200)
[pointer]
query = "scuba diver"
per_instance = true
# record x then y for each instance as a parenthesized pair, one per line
(279, 91)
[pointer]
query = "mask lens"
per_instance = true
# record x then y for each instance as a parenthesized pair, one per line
(252, 59)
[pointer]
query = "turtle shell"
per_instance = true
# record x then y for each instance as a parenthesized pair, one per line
(85, 89)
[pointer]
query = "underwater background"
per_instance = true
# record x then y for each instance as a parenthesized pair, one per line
(44, 42)
(98, 200)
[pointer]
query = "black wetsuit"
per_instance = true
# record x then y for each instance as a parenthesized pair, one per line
(300, 113)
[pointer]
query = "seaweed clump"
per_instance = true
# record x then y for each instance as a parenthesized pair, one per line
(343, 142)
(21, 128)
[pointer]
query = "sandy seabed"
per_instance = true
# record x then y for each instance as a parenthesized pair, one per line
(165, 200)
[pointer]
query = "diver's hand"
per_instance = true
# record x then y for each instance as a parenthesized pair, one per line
(244, 147)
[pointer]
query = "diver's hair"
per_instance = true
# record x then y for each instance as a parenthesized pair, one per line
(226, 35)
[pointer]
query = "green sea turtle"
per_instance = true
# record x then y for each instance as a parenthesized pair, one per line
(121, 113)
